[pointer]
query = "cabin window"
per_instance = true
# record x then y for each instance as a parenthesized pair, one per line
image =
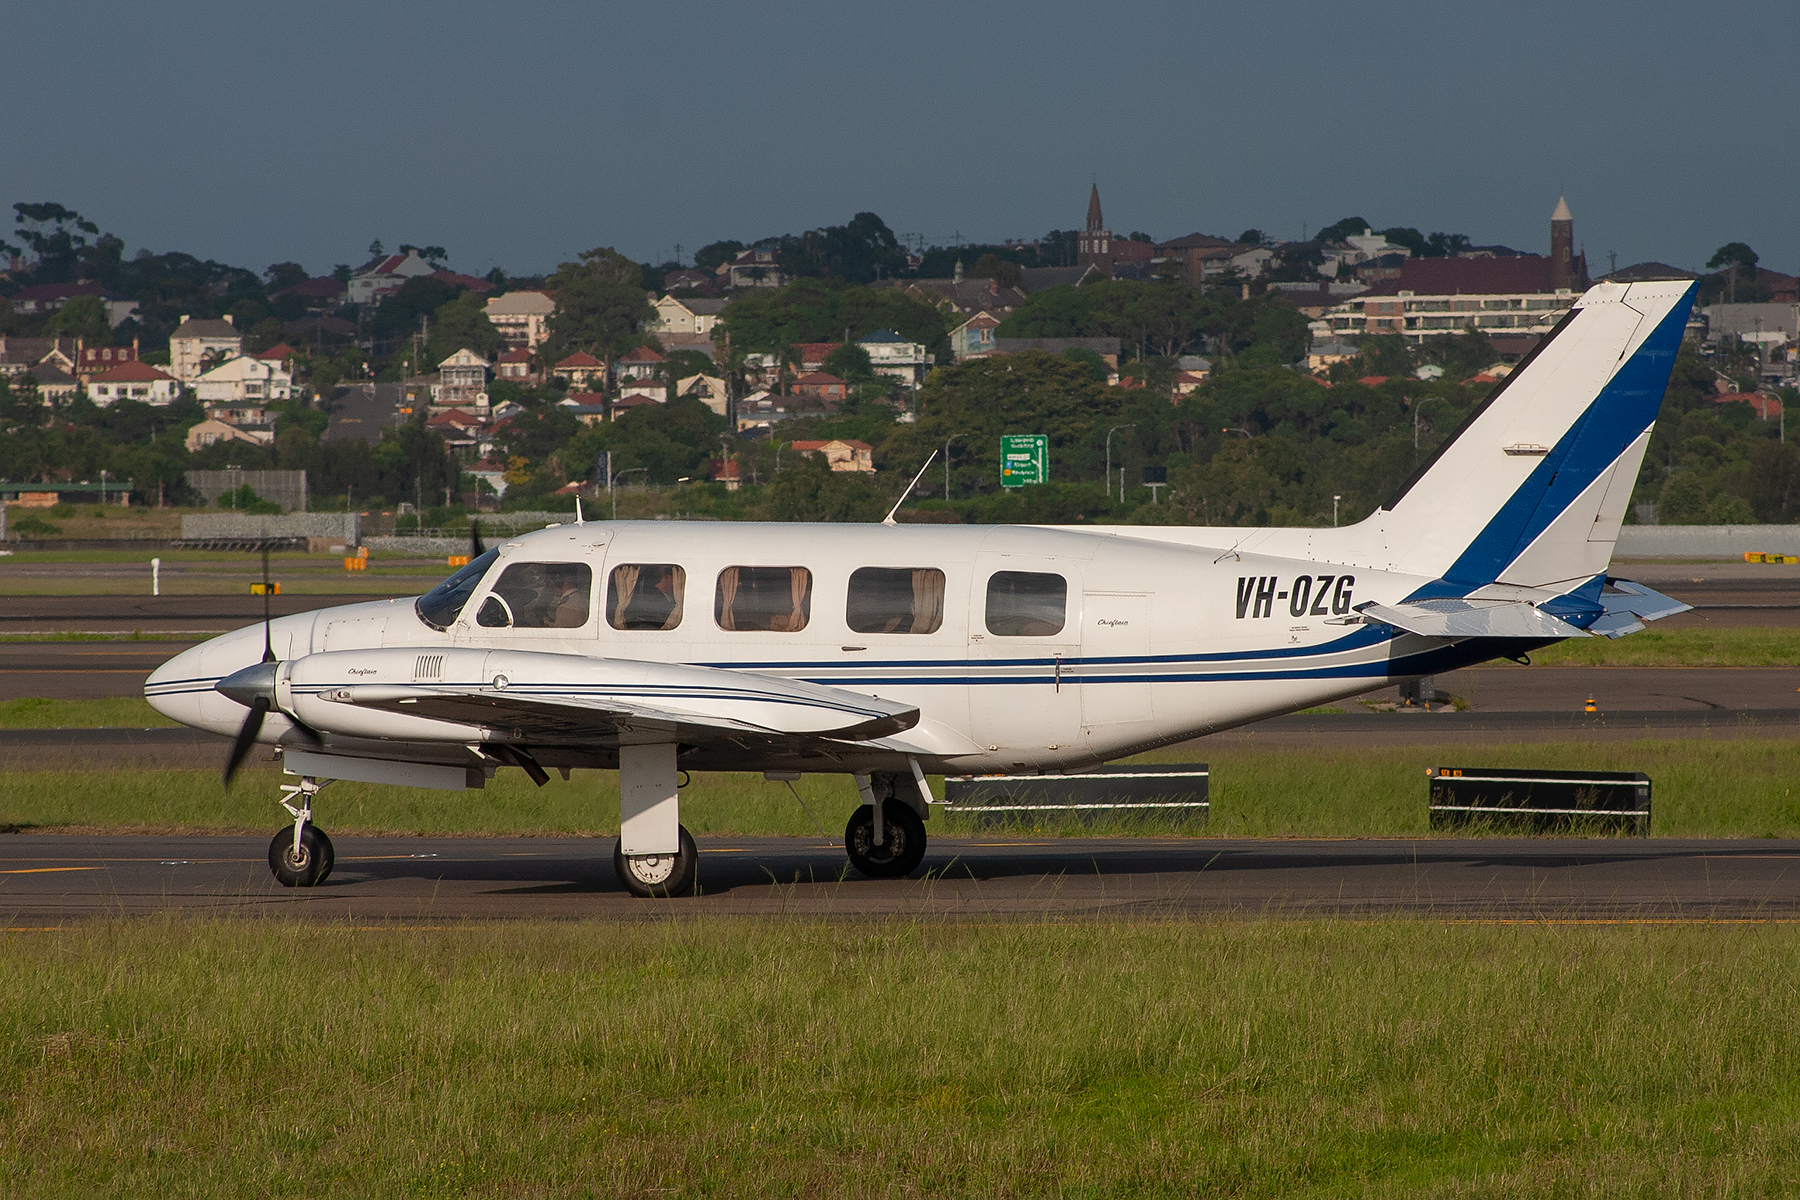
(440, 607)
(775, 599)
(645, 596)
(1026, 603)
(538, 596)
(896, 600)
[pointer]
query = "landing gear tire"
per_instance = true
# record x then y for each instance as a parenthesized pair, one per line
(902, 844)
(659, 875)
(310, 866)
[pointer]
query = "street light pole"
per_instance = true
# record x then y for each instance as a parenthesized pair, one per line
(947, 442)
(1417, 405)
(1109, 434)
(1334, 504)
(621, 475)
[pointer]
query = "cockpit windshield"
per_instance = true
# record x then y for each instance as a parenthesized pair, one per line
(440, 606)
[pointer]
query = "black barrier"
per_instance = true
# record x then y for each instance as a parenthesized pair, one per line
(1540, 801)
(1164, 790)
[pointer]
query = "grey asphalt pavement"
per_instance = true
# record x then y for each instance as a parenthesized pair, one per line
(52, 879)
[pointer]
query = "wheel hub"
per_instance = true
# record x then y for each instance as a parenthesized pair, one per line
(652, 869)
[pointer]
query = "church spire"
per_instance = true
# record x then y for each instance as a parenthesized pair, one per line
(1094, 223)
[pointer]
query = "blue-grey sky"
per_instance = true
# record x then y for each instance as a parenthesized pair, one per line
(519, 134)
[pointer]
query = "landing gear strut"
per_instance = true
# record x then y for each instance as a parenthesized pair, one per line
(885, 837)
(300, 854)
(656, 855)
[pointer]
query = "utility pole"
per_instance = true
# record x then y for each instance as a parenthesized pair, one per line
(1334, 504)
(1109, 434)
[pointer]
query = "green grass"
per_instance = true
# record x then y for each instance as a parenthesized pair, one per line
(1746, 647)
(38, 713)
(1725, 788)
(770, 1059)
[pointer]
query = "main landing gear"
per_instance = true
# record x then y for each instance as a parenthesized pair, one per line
(655, 856)
(300, 854)
(885, 838)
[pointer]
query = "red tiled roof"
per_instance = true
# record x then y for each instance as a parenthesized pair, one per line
(280, 351)
(131, 372)
(586, 399)
(815, 351)
(1468, 276)
(513, 356)
(635, 400)
(453, 417)
(472, 282)
(819, 377)
(322, 288)
(581, 358)
(643, 354)
(1372, 380)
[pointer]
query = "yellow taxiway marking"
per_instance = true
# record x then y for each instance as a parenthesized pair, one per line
(44, 870)
(990, 844)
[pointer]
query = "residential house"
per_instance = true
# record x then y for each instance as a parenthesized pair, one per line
(473, 283)
(635, 400)
(133, 381)
(1035, 279)
(326, 291)
(760, 410)
(693, 314)
(1368, 246)
(895, 357)
(19, 354)
(1328, 354)
(842, 454)
(763, 369)
(827, 389)
(725, 471)
(523, 318)
(708, 389)
(48, 297)
(387, 273)
(1765, 325)
(1197, 257)
(653, 389)
(197, 346)
(212, 431)
(1315, 299)
(966, 297)
(460, 430)
(1766, 407)
(53, 383)
(641, 363)
(580, 370)
(1188, 382)
(811, 356)
(974, 338)
(690, 279)
(516, 366)
(241, 414)
(751, 269)
(462, 381)
(587, 407)
(246, 378)
(699, 343)
(96, 360)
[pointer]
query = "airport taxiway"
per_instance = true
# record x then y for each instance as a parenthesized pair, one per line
(46, 880)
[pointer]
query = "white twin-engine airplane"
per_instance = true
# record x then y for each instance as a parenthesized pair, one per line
(888, 652)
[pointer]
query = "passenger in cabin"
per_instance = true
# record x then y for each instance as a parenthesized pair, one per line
(645, 596)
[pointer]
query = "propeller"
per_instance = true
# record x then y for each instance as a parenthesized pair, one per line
(254, 687)
(476, 549)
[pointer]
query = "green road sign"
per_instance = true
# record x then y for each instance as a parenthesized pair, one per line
(1024, 458)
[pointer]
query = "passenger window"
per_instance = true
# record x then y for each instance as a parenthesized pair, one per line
(775, 599)
(896, 600)
(1026, 604)
(645, 596)
(539, 596)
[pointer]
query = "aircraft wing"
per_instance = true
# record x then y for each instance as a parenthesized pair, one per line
(530, 696)
(1470, 619)
(1628, 605)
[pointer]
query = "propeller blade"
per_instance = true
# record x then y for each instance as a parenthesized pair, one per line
(476, 549)
(246, 737)
(268, 637)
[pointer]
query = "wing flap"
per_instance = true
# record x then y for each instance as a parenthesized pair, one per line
(1470, 619)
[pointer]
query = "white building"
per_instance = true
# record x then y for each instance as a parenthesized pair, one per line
(462, 381)
(133, 381)
(708, 389)
(895, 357)
(1417, 317)
(246, 378)
(1357, 249)
(212, 431)
(388, 273)
(523, 318)
(696, 314)
(193, 341)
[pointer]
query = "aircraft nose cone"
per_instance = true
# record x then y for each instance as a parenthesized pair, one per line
(248, 684)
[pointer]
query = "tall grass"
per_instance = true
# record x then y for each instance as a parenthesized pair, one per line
(722, 1058)
(1728, 788)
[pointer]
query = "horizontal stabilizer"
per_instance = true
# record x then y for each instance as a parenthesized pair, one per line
(1629, 605)
(1470, 619)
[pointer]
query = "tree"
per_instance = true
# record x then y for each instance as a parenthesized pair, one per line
(850, 362)
(82, 317)
(813, 310)
(285, 275)
(1252, 237)
(861, 251)
(1337, 231)
(460, 324)
(1738, 260)
(672, 440)
(56, 235)
(600, 304)
(714, 254)
(809, 490)
(1001, 271)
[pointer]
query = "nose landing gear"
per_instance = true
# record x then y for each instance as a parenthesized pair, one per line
(300, 854)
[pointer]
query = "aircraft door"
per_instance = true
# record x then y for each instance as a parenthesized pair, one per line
(545, 591)
(1024, 642)
(1115, 639)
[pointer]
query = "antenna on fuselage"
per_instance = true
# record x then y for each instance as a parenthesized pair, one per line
(578, 519)
(889, 519)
